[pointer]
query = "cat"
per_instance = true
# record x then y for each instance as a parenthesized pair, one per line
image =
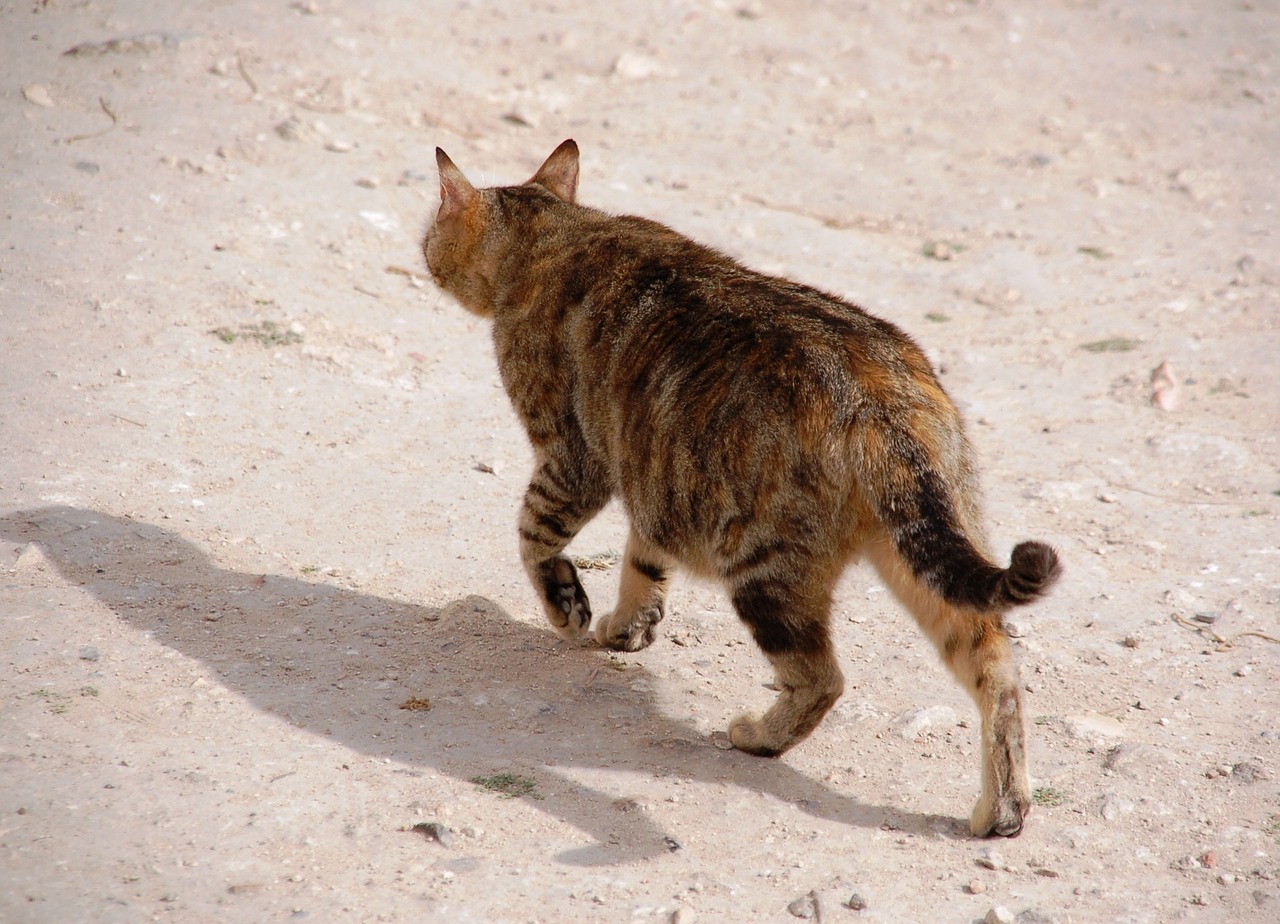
(756, 430)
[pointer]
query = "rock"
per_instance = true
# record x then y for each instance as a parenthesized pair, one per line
(522, 117)
(998, 915)
(38, 94)
(857, 902)
(857, 712)
(1248, 771)
(806, 906)
(30, 558)
(294, 129)
(89, 653)
(976, 887)
(1017, 628)
(911, 725)
(1164, 387)
(435, 831)
(990, 858)
(635, 66)
(938, 250)
(1033, 916)
(683, 915)
(1180, 598)
(1093, 727)
(1112, 805)
(1132, 759)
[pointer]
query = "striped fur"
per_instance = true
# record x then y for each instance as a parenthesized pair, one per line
(757, 431)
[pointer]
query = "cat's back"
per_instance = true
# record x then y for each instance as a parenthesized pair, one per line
(656, 314)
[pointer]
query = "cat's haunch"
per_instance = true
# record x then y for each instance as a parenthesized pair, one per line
(757, 431)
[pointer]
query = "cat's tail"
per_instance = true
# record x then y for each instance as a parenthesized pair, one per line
(919, 511)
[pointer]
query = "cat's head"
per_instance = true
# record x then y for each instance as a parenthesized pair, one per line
(471, 234)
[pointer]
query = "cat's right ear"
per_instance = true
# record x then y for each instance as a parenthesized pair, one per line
(456, 191)
(560, 172)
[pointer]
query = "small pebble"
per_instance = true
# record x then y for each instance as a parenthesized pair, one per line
(976, 887)
(807, 906)
(635, 66)
(294, 129)
(990, 858)
(1247, 771)
(89, 653)
(1032, 916)
(38, 94)
(31, 556)
(435, 831)
(683, 915)
(998, 915)
(1209, 859)
(1207, 618)
(938, 250)
(857, 902)
(1164, 387)
(1112, 805)
(1132, 641)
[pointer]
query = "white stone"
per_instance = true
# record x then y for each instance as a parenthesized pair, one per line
(911, 725)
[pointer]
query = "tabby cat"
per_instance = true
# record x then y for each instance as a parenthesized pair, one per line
(757, 431)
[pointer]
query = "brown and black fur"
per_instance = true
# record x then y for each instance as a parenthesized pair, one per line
(757, 431)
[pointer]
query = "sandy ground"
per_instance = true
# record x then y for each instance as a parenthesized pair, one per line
(258, 480)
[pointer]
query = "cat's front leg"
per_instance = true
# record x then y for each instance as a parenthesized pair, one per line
(552, 514)
(642, 597)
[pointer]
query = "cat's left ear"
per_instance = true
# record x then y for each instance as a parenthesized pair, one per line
(559, 173)
(456, 191)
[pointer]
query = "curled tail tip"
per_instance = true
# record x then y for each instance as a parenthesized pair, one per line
(1033, 569)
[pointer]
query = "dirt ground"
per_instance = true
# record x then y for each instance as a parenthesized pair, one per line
(261, 610)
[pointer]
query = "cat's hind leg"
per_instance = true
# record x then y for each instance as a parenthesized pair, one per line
(975, 647)
(789, 622)
(642, 596)
(552, 514)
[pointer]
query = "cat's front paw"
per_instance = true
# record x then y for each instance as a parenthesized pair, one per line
(567, 606)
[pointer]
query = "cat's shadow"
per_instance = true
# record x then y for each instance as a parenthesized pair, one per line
(505, 697)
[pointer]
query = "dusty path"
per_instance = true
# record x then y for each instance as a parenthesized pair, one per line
(258, 480)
